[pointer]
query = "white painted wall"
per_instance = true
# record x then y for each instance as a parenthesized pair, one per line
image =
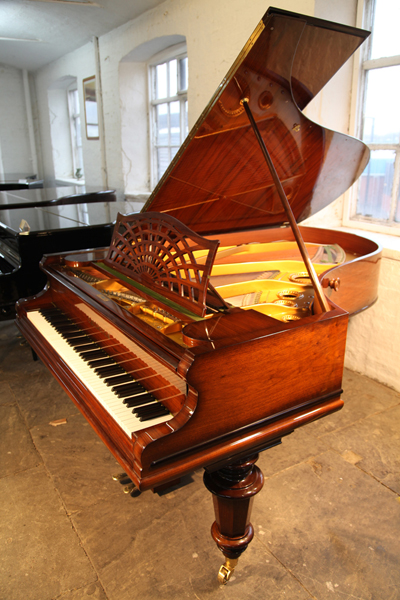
(14, 136)
(134, 127)
(79, 64)
(215, 33)
(61, 146)
(373, 341)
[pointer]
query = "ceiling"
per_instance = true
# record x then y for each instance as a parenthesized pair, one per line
(55, 27)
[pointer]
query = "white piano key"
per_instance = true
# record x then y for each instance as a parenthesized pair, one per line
(103, 393)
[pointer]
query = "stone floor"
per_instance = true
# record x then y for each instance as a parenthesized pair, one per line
(327, 520)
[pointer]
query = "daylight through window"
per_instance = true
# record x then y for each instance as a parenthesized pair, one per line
(378, 188)
(76, 136)
(169, 112)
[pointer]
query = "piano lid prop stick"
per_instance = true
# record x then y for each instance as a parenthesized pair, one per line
(320, 302)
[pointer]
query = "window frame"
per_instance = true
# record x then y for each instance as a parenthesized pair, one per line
(75, 122)
(363, 64)
(178, 52)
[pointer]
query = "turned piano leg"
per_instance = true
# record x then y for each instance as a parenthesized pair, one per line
(233, 488)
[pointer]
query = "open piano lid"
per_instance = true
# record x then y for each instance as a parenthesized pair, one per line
(219, 181)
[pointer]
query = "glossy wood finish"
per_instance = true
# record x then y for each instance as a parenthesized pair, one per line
(228, 409)
(233, 488)
(218, 181)
(158, 251)
(251, 379)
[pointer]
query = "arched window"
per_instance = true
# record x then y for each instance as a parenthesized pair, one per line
(168, 79)
(152, 125)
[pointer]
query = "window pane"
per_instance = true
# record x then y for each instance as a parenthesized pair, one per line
(375, 187)
(385, 36)
(174, 150)
(175, 123)
(184, 74)
(170, 119)
(162, 161)
(173, 77)
(93, 131)
(186, 119)
(382, 114)
(162, 124)
(161, 81)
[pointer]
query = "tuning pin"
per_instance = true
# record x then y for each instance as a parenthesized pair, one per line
(119, 476)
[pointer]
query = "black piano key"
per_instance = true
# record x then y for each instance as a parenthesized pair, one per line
(150, 417)
(123, 391)
(67, 327)
(91, 354)
(132, 393)
(157, 411)
(50, 311)
(101, 362)
(71, 335)
(109, 370)
(57, 319)
(79, 340)
(133, 401)
(89, 346)
(118, 379)
(148, 408)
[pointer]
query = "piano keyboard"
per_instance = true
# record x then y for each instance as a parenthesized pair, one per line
(123, 394)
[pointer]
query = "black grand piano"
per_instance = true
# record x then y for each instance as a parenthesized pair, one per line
(214, 325)
(34, 222)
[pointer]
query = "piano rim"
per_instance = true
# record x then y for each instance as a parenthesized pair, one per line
(211, 454)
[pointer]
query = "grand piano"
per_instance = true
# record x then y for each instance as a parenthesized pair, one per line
(20, 181)
(34, 222)
(213, 325)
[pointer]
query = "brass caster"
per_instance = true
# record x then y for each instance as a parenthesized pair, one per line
(119, 476)
(129, 488)
(226, 570)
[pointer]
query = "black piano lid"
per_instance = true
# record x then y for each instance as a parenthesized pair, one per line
(55, 218)
(219, 181)
(50, 196)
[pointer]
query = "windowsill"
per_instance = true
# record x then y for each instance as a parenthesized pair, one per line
(136, 195)
(389, 243)
(70, 181)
